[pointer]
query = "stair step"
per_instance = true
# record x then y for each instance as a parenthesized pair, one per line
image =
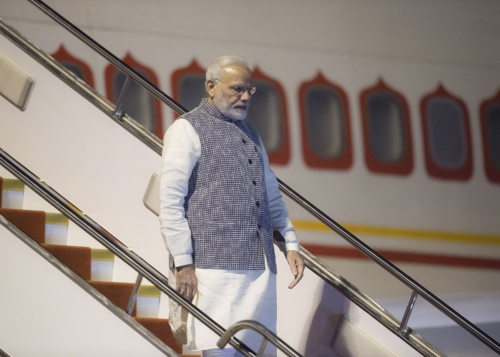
(161, 329)
(56, 228)
(148, 301)
(11, 193)
(49, 228)
(103, 262)
(119, 293)
(30, 222)
(76, 258)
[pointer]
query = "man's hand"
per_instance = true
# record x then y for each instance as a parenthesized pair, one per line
(187, 284)
(296, 266)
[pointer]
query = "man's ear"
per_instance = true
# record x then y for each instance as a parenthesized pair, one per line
(210, 87)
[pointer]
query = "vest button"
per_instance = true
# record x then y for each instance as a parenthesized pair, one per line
(244, 141)
(254, 183)
(250, 161)
(256, 148)
(257, 203)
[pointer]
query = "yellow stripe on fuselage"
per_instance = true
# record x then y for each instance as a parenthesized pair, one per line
(393, 232)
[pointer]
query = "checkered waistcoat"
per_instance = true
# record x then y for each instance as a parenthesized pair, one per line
(226, 206)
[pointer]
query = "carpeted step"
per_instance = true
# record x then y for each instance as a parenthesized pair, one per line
(56, 228)
(77, 259)
(30, 222)
(118, 293)
(161, 329)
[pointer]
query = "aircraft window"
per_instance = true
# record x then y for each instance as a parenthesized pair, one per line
(265, 116)
(269, 117)
(326, 138)
(325, 123)
(78, 67)
(447, 136)
(192, 90)
(386, 129)
(490, 127)
(77, 71)
(188, 85)
(446, 133)
(138, 102)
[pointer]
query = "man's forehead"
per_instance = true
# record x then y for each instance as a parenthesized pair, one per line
(239, 73)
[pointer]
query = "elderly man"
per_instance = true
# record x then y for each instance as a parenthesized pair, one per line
(219, 206)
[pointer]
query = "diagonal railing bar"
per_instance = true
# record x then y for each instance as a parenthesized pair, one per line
(366, 250)
(392, 269)
(113, 244)
(131, 73)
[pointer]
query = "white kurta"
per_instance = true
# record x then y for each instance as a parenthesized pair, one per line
(227, 296)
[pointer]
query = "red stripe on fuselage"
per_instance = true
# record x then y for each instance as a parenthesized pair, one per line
(405, 257)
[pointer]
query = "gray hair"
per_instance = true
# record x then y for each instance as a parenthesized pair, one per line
(214, 69)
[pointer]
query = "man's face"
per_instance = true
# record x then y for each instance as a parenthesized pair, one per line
(225, 96)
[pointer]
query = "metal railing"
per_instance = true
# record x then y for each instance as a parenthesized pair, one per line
(417, 289)
(269, 336)
(143, 268)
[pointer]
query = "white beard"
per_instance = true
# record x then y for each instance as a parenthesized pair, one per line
(225, 108)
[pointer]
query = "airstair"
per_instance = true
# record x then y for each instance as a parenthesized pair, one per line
(69, 158)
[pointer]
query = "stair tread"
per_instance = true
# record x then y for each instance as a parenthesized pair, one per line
(30, 222)
(118, 292)
(76, 258)
(161, 329)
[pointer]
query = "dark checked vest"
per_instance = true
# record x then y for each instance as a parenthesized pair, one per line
(227, 207)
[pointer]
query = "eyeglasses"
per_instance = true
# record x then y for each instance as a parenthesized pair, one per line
(239, 90)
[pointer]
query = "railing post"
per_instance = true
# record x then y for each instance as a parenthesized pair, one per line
(408, 311)
(133, 296)
(262, 347)
(121, 98)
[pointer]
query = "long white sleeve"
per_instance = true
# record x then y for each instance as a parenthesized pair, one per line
(181, 150)
(279, 214)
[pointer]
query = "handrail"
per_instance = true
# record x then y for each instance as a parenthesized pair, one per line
(264, 331)
(389, 267)
(109, 56)
(366, 250)
(113, 244)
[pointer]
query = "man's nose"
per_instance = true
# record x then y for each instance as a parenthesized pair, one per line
(246, 95)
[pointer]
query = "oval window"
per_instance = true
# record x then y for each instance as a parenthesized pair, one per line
(325, 123)
(445, 123)
(78, 67)
(141, 105)
(490, 129)
(188, 85)
(269, 117)
(386, 130)
(266, 117)
(386, 127)
(447, 138)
